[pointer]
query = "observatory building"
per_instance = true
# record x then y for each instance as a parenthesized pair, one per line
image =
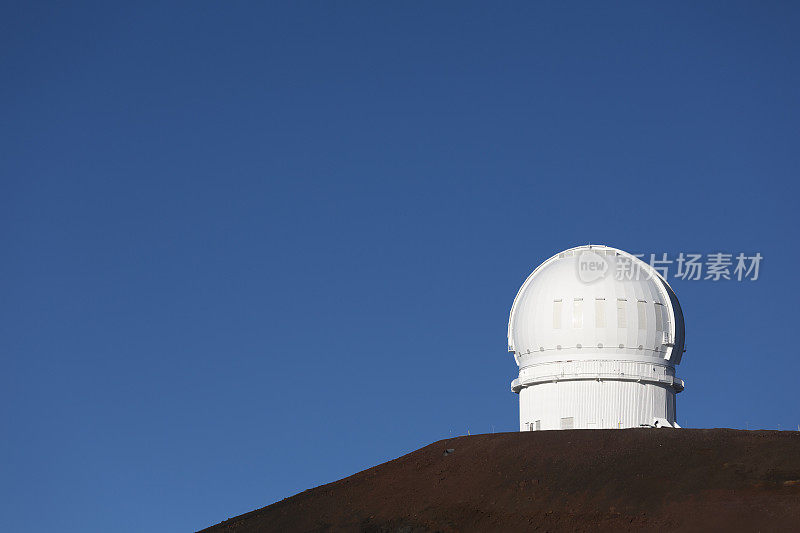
(596, 333)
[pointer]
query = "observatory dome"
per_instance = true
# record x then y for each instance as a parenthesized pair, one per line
(595, 301)
(596, 313)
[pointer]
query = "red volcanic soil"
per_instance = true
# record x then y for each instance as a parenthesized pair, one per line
(582, 480)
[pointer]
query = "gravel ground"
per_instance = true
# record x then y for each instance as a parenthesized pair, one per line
(582, 480)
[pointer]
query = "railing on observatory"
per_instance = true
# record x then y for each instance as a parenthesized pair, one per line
(599, 371)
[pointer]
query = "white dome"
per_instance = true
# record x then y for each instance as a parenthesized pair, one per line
(595, 303)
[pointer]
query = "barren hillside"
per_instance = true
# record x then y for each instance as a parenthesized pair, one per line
(638, 479)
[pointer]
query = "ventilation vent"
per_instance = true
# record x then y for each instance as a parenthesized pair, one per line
(641, 311)
(659, 318)
(664, 317)
(621, 320)
(577, 313)
(600, 313)
(557, 314)
(567, 423)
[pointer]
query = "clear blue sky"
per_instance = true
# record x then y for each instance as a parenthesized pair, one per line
(247, 250)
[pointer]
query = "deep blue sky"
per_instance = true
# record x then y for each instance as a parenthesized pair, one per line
(247, 249)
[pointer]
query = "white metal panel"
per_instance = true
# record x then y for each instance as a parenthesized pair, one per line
(603, 404)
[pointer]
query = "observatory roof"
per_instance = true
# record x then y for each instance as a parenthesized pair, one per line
(595, 302)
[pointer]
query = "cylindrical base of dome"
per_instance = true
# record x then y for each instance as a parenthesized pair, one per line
(594, 404)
